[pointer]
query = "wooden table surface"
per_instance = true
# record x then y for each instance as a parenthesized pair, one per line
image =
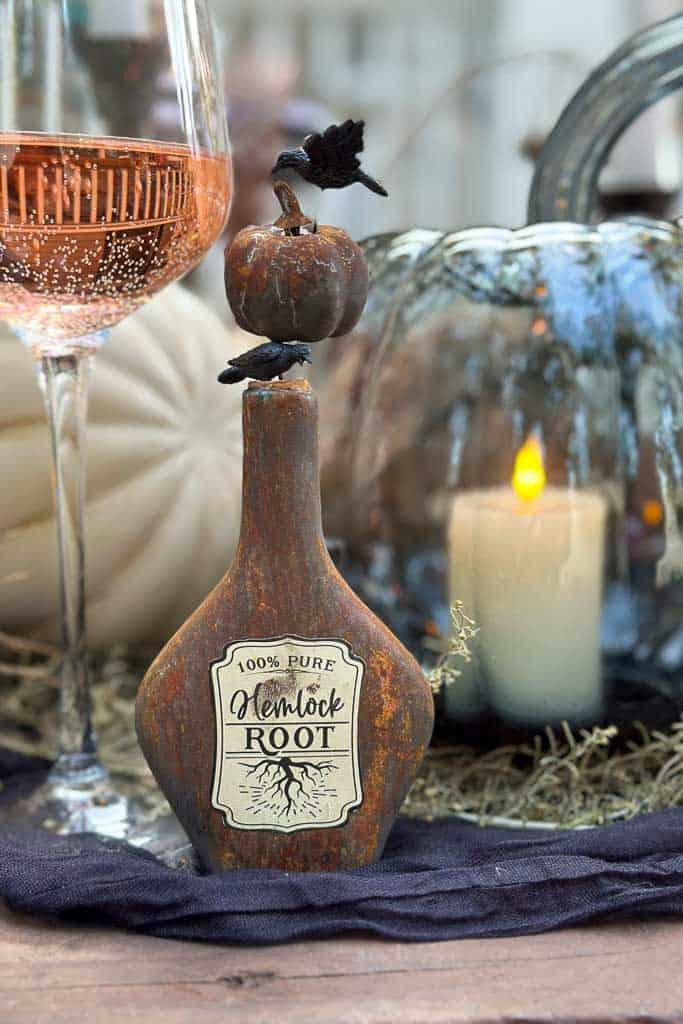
(57, 973)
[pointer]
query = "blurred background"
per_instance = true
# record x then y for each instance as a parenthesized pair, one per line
(458, 96)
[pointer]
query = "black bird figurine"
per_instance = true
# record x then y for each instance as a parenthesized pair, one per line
(329, 160)
(264, 362)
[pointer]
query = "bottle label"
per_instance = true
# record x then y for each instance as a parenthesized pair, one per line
(287, 733)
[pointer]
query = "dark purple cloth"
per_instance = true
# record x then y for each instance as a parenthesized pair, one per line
(444, 880)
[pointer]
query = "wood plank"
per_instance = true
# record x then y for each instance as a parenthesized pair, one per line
(55, 972)
(68, 953)
(492, 993)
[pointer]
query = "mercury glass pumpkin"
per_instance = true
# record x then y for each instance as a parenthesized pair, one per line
(498, 340)
(343, 377)
(552, 352)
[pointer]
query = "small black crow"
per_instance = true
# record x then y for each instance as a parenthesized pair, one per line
(329, 160)
(264, 362)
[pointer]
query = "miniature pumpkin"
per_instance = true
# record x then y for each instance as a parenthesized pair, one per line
(164, 477)
(294, 280)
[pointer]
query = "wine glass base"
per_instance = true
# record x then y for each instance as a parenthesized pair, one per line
(83, 803)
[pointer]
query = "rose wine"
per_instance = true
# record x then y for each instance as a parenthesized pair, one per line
(91, 227)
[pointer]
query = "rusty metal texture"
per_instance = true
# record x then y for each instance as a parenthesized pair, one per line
(294, 280)
(282, 582)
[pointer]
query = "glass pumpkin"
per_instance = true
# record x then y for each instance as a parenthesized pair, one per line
(559, 340)
(497, 337)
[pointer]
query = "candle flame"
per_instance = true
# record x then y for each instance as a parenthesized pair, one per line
(528, 477)
(652, 513)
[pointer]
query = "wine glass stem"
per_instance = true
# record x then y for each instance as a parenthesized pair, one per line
(63, 381)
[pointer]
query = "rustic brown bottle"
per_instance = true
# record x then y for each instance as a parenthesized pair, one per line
(283, 721)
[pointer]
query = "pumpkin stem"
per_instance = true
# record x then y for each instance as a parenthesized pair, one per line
(293, 219)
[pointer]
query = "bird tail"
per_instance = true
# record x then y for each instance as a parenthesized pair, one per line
(231, 375)
(370, 183)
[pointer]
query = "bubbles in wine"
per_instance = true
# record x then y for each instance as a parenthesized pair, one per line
(90, 228)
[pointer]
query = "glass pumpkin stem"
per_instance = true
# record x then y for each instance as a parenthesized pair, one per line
(63, 381)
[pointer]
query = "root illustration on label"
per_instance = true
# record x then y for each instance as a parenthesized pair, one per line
(285, 787)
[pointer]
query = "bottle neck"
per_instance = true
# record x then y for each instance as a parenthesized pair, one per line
(281, 480)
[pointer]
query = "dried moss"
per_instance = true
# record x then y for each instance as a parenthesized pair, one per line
(560, 779)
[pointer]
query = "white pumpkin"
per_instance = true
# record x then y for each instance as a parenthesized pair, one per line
(164, 476)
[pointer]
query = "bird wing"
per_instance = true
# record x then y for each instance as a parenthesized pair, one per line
(337, 147)
(262, 355)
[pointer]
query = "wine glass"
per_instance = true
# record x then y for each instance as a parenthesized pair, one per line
(115, 178)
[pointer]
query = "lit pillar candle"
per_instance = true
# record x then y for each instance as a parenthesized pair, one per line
(527, 562)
